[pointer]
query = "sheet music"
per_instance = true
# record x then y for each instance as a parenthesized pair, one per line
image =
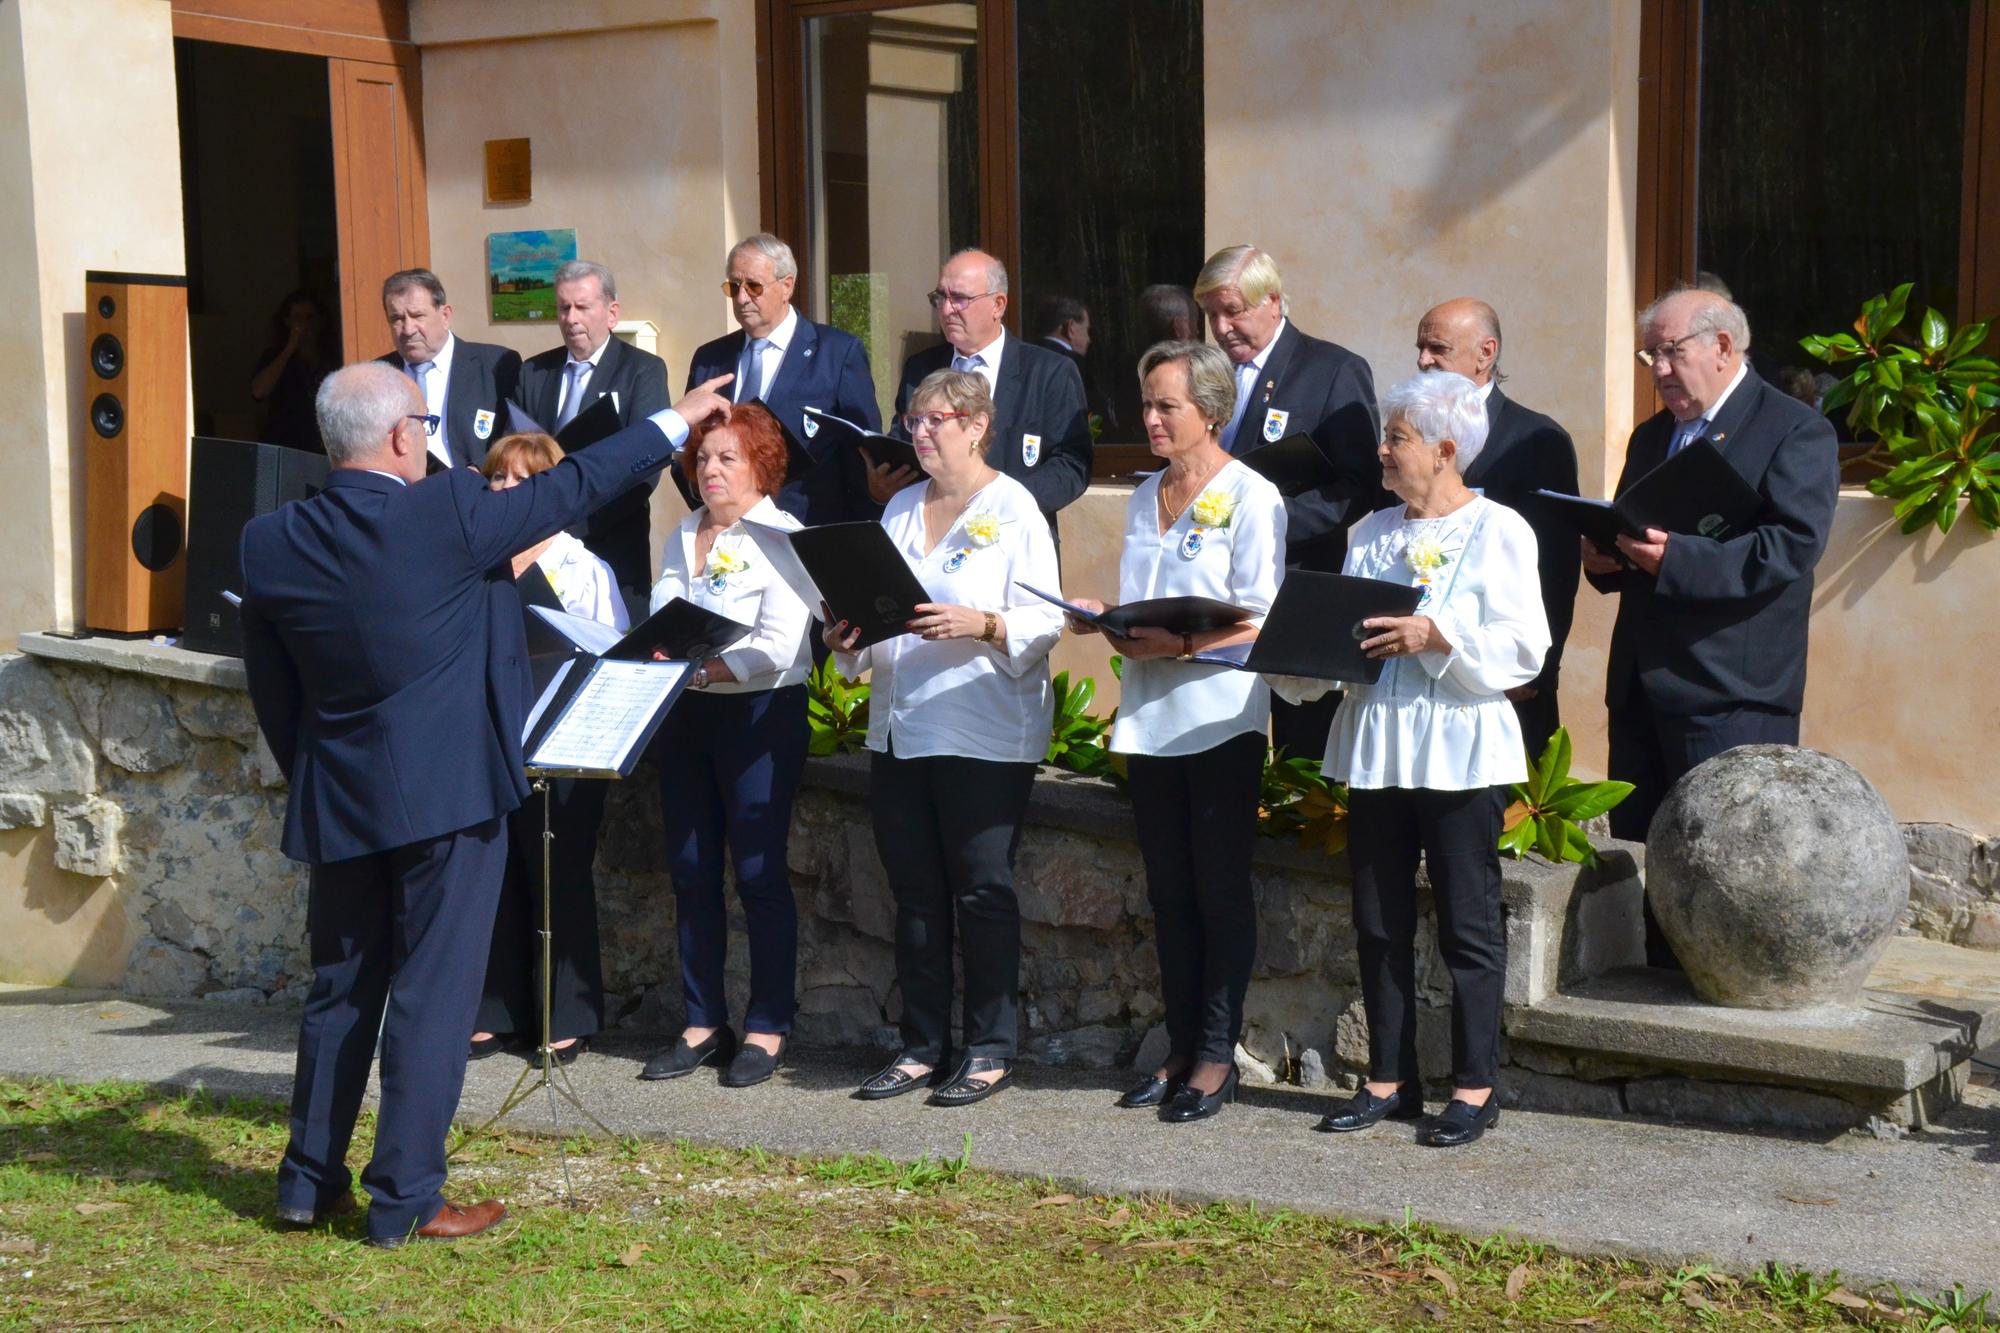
(585, 633)
(608, 715)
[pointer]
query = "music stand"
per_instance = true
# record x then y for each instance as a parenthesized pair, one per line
(594, 720)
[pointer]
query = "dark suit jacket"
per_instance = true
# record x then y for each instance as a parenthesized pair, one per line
(483, 376)
(368, 608)
(826, 368)
(1096, 402)
(1038, 394)
(1327, 392)
(1724, 624)
(1526, 451)
(621, 533)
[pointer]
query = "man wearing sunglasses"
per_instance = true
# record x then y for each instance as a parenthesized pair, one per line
(1041, 431)
(791, 363)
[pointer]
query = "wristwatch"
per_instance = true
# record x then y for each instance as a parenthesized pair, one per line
(992, 630)
(700, 679)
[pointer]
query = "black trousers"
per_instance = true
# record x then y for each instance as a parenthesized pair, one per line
(947, 828)
(1654, 750)
(512, 1002)
(1539, 718)
(1197, 819)
(1458, 833)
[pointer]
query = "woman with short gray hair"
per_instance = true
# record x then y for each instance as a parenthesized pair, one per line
(1193, 733)
(1426, 751)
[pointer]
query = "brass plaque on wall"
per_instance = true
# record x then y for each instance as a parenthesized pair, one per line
(510, 177)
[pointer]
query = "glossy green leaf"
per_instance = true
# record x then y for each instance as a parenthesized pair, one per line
(1589, 800)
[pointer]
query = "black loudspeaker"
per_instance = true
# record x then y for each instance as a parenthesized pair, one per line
(231, 482)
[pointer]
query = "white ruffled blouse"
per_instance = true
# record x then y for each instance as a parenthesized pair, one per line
(1441, 719)
(739, 583)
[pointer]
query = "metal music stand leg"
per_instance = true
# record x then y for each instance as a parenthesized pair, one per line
(547, 1074)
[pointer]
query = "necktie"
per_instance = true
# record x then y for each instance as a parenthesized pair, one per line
(968, 365)
(750, 370)
(1246, 380)
(417, 373)
(573, 393)
(1687, 433)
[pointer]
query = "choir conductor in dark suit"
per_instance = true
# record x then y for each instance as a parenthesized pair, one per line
(1041, 427)
(591, 364)
(464, 384)
(387, 664)
(1290, 383)
(1709, 649)
(1524, 452)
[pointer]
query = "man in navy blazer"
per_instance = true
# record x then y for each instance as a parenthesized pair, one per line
(367, 611)
(1041, 426)
(591, 364)
(1289, 383)
(464, 383)
(1525, 452)
(1709, 649)
(792, 364)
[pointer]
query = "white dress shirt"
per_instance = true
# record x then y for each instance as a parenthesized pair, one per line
(584, 583)
(989, 367)
(1247, 376)
(582, 381)
(775, 652)
(434, 382)
(959, 696)
(1167, 706)
(770, 357)
(1442, 720)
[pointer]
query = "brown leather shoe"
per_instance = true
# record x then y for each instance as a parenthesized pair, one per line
(312, 1217)
(451, 1223)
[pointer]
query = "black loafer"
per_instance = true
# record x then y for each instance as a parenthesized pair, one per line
(752, 1065)
(568, 1055)
(892, 1080)
(1152, 1092)
(482, 1047)
(963, 1090)
(1460, 1123)
(1365, 1109)
(681, 1058)
(1191, 1103)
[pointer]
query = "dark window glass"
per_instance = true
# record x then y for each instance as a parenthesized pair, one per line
(1110, 107)
(1831, 150)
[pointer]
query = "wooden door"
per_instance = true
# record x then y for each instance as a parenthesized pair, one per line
(378, 176)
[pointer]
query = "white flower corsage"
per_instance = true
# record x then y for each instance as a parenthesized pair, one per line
(1214, 509)
(982, 529)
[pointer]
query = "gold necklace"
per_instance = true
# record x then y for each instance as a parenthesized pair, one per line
(1174, 512)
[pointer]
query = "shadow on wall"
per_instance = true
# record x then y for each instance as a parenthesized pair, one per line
(56, 927)
(1868, 543)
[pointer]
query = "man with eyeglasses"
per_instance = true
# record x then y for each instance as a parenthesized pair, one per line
(1041, 427)
(1709, 649)
(384, 651)
(791, 363)
(464, 384)
(591, 365)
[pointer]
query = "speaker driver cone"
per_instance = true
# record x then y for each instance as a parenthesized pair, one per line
(107, 356)
(107, 415)
(157, 537)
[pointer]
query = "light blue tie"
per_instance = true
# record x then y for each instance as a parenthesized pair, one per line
(573, 395)
(750, 370)
(1687, 433)
(968, 365)
(1246, 380)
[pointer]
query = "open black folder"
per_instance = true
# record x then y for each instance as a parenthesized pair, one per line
(1314, 628)
(882, 448)
(1293, 464)
(586, 428)
(1176, 615)
(1695, 492)
(854, 568)
(679, 631)
(596, 715)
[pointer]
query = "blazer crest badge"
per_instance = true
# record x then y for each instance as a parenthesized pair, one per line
(1031, 450)
(482, 423)
(1274, 425)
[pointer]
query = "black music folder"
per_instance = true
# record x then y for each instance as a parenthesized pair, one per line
(1176, 615)
(594, 719)
(1293, 464)
(1695, 492)
(1314, 628)
(679, 631)
(882, 448)
(854, 568)
(586, 428)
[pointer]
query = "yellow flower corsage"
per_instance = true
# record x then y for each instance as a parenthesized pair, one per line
(1214, 509)
(726, 563)
(1426, 555)
(982, 529)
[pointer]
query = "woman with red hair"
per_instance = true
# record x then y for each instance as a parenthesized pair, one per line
(730, 754)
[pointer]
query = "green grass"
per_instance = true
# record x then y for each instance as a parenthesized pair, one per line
(121, 1205)
(539, 303)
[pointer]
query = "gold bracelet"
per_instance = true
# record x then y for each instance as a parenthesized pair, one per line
(992, 629)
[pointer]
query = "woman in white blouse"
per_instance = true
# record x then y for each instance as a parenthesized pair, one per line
(1204, 526)
(510, 1011)
(730, 755)
(1427, 749)
(958, 719)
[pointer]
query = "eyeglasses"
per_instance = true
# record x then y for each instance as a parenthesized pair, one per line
(1675, 350)
(750, 285)
(430, 422)
(928, 422)
(943, 300)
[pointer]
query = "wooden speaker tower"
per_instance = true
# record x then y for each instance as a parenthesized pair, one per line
(135, 463)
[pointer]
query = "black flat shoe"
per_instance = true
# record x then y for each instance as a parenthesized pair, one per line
(1152, 1092)
(1460, 1123)
(484, 1046)
(681, 1058)
(1365, 1109)
(568, 1055)
(752, 1065)
(963, 1090)
(892, 1080)
(1191, 1103)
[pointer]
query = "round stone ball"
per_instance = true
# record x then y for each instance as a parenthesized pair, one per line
(1778, 875)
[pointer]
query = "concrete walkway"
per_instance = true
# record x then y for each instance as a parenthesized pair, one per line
(1923, 1212)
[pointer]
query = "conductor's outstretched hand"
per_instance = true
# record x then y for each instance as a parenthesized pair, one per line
(704, 401)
